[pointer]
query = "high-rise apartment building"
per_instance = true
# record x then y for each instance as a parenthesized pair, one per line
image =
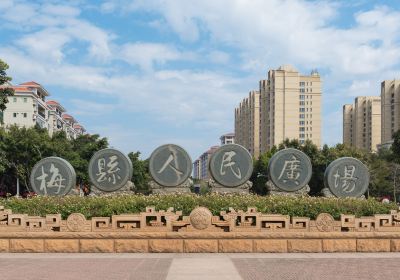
(228, 138)
(200, 165)
(362, 123)
(290, 107)
(247, 123)
(28, 107)
(390, 102)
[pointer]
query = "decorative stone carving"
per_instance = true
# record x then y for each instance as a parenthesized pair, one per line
(110, 170)
(200, 218)
(53, 176)
(347, 177)
(324, 222)
(290, 170)
(76, 222)
(170, 165)
(231, 165)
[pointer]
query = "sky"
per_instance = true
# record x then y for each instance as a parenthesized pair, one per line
(152, 72)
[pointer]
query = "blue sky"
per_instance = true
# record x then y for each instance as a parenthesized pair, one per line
(146, 73)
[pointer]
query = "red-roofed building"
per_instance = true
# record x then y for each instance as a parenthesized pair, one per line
(28, 107)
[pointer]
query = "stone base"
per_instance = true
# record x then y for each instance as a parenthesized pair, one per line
(129, 188)
(326, 192)
(274, 190)
(183, 188)
(217, 188)
(198, 242)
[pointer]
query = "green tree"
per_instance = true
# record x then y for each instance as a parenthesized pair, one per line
(140, 174)
(5, 91)
(23, 147)
(85, 146)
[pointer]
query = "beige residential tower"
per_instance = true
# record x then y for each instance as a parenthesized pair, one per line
(290, 107)
(362, 123)
(247, 123)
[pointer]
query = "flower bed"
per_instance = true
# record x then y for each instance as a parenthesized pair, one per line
(113, 205)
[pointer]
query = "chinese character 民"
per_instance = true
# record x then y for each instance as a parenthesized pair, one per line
(56, 180)
(291, 170)
(172, 162)
(108, 171)
(228, 162)
(347, 182)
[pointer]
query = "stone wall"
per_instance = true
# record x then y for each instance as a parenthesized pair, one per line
(200, 232)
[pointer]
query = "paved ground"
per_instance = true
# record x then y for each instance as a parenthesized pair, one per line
(200, 266)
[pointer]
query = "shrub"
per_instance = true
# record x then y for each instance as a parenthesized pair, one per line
(112, 205)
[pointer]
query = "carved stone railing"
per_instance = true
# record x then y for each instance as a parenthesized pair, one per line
(170, 231)
(199, 220)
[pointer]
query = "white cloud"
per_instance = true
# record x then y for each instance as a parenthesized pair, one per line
(233, 36)
(147, 54)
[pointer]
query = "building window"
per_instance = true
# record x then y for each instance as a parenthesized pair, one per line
(302, 90)
(15, 99)
(25, 115)
(302, 97)
(301, 128)
(302, 109)
(301, 116)
(301, 122)
(302, 84)
(25, 100)
(14, 115)
(302, 103)
(301, 135)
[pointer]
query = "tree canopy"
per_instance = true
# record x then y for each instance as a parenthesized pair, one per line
(5, 91)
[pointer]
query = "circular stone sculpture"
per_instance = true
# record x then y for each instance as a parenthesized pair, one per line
(347, 177)
(200, 218)
(324, 222)
(170, 165)
(231, 165)
(110, 170)
(53, 176)
(290, 169)
(76, 222)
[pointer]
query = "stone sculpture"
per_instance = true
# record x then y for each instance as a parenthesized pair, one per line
(231, 165)
(289, 170)
(347, 177)
(53, 176)
(109, 170)
(170, 167)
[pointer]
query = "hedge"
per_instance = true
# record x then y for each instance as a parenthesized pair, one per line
(111, 205)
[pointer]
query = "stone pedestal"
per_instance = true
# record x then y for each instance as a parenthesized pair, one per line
(217, 188)
(182, 188)
(128, 188)
(274, 190)
(326, 192)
